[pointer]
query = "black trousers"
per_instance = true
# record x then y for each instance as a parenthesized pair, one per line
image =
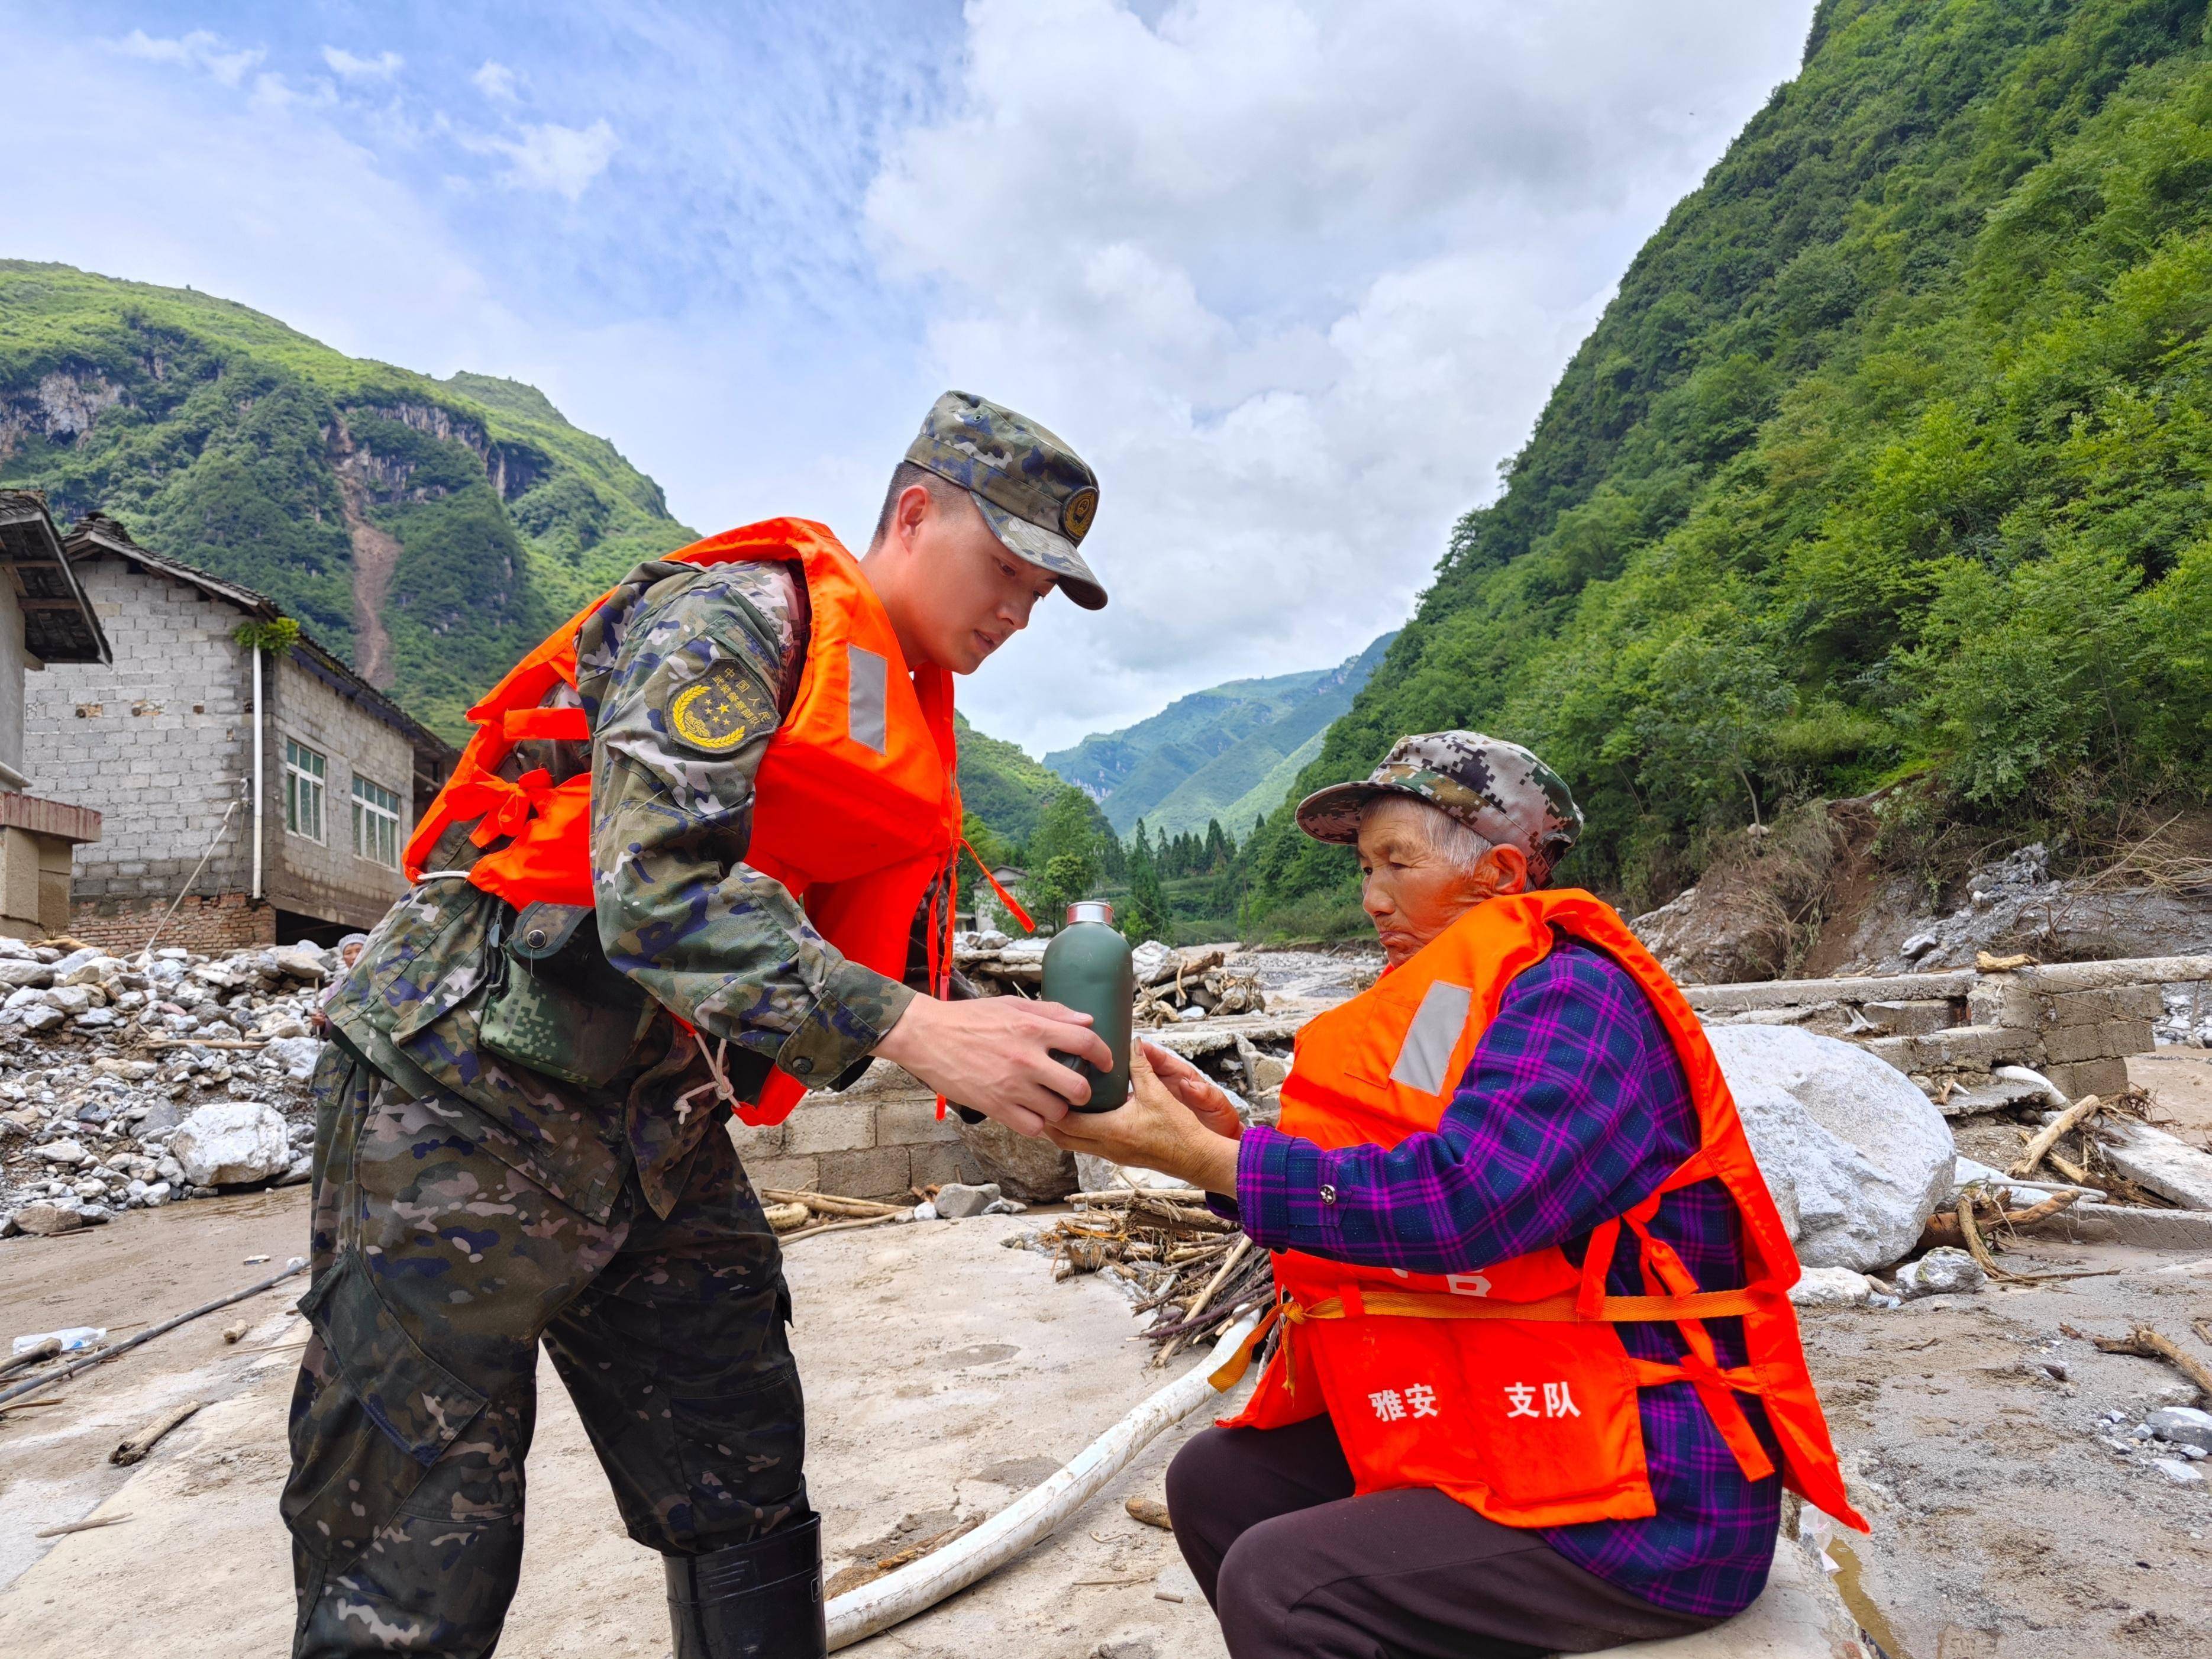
(1296, 1567)
(438, 1271)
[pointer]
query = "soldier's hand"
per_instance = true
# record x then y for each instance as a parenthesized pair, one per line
(995, 1055)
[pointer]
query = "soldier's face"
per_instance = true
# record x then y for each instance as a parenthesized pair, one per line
(971, 595)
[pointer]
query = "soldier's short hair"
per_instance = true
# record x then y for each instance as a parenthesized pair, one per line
(904, 477)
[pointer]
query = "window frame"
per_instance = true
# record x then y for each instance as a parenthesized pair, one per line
(386, 822)
(299, 780)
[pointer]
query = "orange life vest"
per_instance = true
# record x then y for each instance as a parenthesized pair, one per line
(857, 809)
(1509, 1388)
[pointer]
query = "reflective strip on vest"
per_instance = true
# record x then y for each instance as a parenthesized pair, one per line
(1425, 1057)
(866, 720)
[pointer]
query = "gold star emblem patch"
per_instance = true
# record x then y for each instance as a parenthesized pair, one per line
(721, 709)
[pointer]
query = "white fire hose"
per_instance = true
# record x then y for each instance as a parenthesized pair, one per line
(913, 1589)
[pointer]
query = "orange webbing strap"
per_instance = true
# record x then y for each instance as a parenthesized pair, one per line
(1013, 905)
(555, 724)
(1230, 1371)
(1701, 1365)
(1560, 1309)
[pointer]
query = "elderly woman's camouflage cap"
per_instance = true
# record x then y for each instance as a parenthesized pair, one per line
(1498, 789)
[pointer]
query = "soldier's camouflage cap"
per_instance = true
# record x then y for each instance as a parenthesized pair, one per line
(1032, 489)
(1495, 789)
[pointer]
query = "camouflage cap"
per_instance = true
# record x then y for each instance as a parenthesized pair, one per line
(1498, 789)
(1033, 491)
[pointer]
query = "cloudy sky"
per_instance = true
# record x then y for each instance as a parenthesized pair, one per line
(1295, 277)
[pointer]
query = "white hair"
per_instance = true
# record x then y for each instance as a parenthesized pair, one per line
(1440, 832)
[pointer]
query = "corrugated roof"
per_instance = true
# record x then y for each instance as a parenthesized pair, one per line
(59, 624)
(97, 533)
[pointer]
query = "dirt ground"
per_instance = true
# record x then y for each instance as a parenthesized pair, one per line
(926, 1403)
(2009, 1516)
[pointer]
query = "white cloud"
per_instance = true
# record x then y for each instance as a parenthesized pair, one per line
(199, 50)
(1293, 278)
(562, 160)
(495, 80)
(343, 63)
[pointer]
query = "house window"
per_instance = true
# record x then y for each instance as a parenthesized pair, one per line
(304, 771)
(375, 823)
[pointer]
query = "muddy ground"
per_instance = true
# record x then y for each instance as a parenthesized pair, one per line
(945, 1374)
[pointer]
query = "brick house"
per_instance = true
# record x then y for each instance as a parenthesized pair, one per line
(254, 769)
(45, 617)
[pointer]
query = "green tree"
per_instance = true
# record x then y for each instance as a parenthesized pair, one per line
(1147, 916)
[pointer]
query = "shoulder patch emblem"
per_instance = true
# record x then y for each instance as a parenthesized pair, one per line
(1075, 515)
(720, 709)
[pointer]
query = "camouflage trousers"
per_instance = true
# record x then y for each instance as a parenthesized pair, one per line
(438, 1271)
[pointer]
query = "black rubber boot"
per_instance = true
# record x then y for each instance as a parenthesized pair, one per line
(756, 1600)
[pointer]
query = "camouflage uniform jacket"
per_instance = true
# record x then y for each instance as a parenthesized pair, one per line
(679, 914)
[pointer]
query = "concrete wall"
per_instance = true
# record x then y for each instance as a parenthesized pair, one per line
(326, 879)
(12, 666)
(875, 1140)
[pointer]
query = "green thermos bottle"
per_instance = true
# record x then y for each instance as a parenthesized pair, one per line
(1087, 967)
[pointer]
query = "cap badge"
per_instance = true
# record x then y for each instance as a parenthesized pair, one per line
(1075, 515)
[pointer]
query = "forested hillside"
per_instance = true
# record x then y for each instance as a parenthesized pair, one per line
(431, 531)
(1889, 462)
(1227, 753)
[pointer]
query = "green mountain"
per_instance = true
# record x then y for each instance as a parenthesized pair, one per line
(430, 531)
(1229, 753)
(1888, 464)
(1001, 785)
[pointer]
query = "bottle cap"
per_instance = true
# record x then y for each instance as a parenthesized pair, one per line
(1090, 910)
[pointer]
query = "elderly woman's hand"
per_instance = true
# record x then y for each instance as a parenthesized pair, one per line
(1175, 1121)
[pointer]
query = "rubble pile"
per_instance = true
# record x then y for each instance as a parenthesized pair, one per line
(131, 1082)
(1196, 982)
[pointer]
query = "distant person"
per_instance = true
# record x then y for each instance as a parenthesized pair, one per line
(699, 854)
(1536, 1383)
(348, 951)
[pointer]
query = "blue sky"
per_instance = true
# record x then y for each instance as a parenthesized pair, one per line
(1294, 277)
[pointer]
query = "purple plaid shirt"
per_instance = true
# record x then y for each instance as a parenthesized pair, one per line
(1574, 1109)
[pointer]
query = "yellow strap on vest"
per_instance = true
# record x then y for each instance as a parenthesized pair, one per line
(1553, 1310)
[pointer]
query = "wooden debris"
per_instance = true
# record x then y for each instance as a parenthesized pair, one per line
(134, 1450)
(784, 1217)
(37, 1354)
(831, 1204)
(1196, 1272)
(836, 1227)
(69, 1527)
(235, 1333)
(2149, 1344)
(2203, 1329)
(1986, 964)
(1151, 1511)
(2049, 1135)
(1943, 1229)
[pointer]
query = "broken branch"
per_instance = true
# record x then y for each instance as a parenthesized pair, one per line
(2049, 1134)
(2148, 1344)
(134, 1450)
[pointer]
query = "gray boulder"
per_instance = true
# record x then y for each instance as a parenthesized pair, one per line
(1031, 1169)
(1858, 1158)
(2182, 1425)
(956, 1201)
(43, 1219)
(231, 1142)
(1944, 1271)
(297, 1055)
(18, 971)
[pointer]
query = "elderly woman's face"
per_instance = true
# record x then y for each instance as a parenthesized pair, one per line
(1411, 890)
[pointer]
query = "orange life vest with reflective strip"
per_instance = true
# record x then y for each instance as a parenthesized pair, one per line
(1509, 1388)
(857, 810)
